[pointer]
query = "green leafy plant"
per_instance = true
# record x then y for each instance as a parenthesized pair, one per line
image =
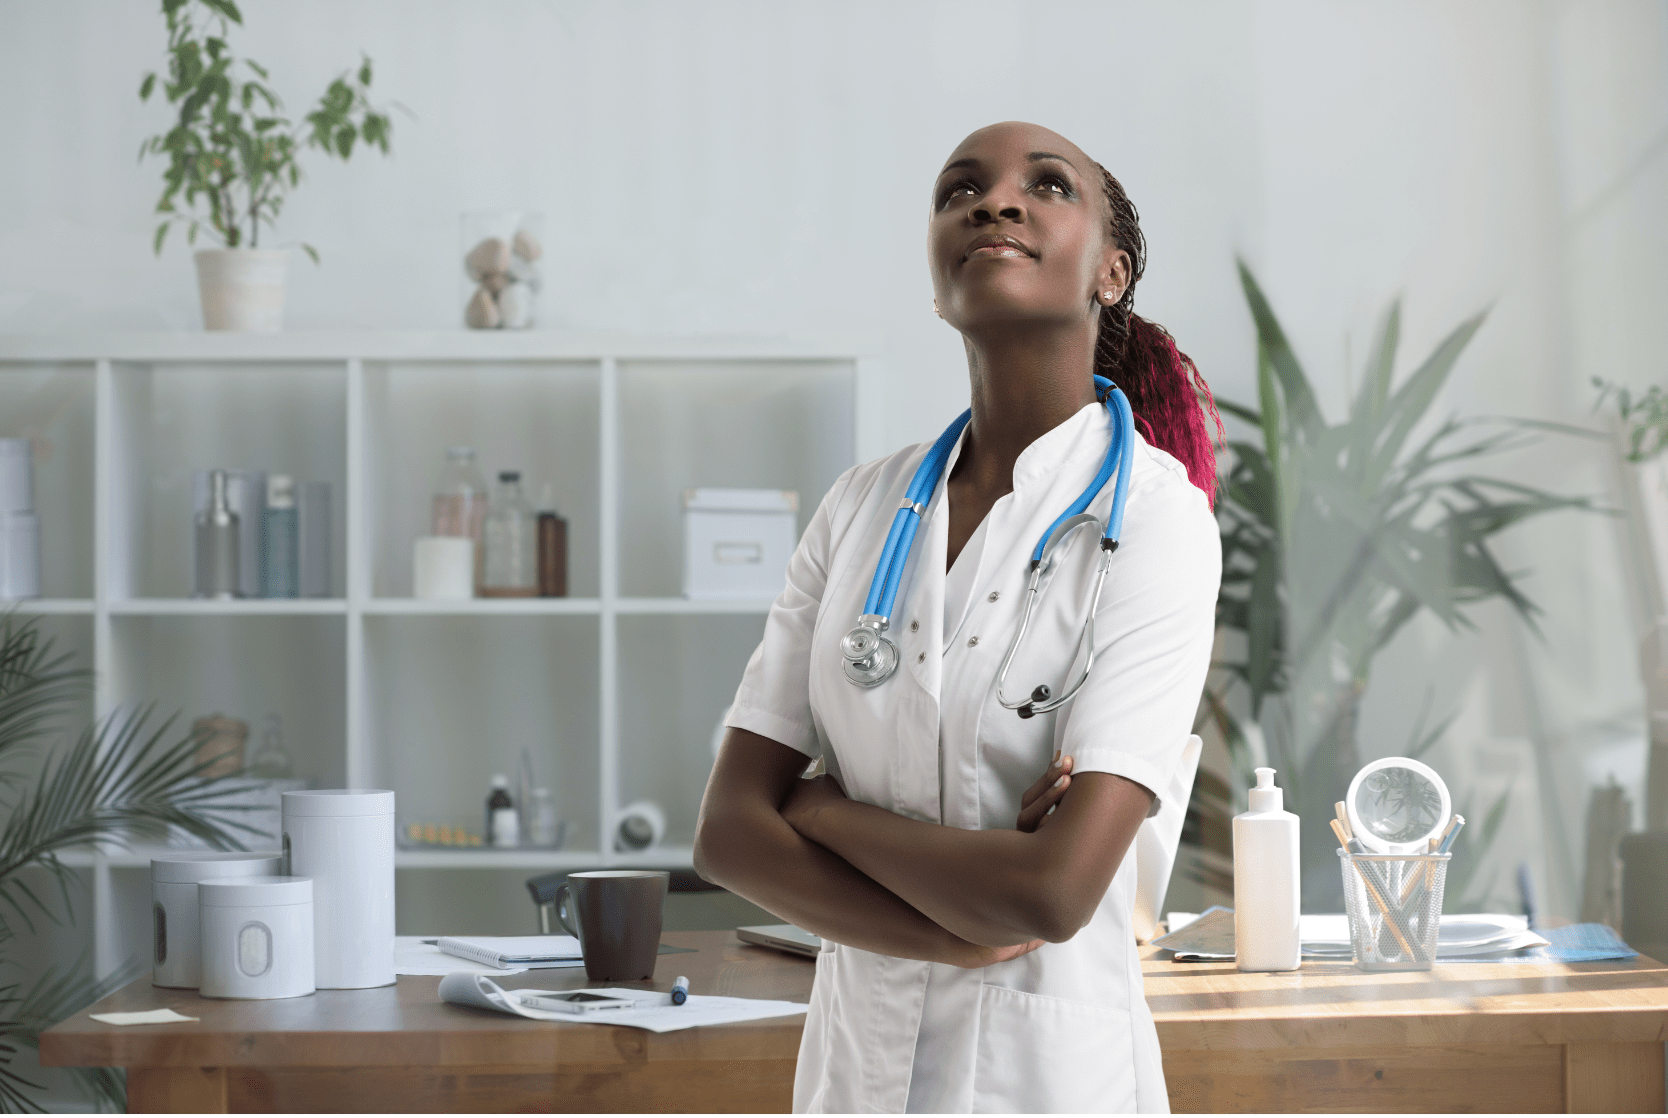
(1646, 417)
(119, 774)
(231, 151)
(1335, 536)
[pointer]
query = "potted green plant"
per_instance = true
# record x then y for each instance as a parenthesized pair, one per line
(120, 774)
(232, 159)
(1334, 536)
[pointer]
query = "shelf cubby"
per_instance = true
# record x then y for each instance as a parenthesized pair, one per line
(750, 425)
(52, 403)
(541, 419)
(455, 698)
(170, 419)
(244, 667)
(678, 673)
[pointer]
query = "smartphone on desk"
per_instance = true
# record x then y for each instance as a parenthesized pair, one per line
(571, 1001)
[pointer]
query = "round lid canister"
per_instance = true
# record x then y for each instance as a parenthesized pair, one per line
(255, 892)
(338, 802)
(188, 866)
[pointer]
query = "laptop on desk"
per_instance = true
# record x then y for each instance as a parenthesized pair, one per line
(783, 937)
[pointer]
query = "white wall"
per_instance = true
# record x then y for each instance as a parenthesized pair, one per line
(764, 167)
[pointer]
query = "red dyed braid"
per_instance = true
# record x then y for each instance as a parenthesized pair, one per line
(1162, 383)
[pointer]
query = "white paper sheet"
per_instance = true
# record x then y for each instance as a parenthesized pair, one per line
(413, 956)
(480, 992)
(141, 1017)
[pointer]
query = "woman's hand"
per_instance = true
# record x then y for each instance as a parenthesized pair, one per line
(1038, 799)
(807, 798)
(973, 957)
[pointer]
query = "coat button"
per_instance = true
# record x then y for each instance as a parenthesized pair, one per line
(995, 594)
(914, 625)
(921, 659)
(971, 641)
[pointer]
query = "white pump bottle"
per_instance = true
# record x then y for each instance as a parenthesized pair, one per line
(1266, 882)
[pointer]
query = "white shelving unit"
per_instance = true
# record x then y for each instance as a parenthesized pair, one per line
(615, 692)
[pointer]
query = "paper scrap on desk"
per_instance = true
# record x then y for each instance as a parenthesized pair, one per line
(141, 1017)
(413, 956)
(479, 992)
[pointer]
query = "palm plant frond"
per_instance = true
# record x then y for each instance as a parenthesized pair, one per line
(124, 773)
(55, 995)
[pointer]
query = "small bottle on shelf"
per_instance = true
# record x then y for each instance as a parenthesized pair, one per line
(271, 761)
(503, 823)
(510, 544)
(553, 547)
(281, 540)
(542, 827)
(459, 507)
(217, 550)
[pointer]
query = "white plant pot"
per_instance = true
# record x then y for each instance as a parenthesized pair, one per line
(242, 288)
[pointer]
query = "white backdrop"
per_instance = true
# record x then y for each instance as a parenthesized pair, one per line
(765, 167)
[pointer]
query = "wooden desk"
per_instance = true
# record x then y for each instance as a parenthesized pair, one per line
(1477, 1037)
(400, 1048)
(1490, 1037)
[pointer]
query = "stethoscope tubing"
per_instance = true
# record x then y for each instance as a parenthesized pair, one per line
(883, 590)
(872, 658)
(900, 537)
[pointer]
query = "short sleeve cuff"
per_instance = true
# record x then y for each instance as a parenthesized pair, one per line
(1126, 765)
(791, 732)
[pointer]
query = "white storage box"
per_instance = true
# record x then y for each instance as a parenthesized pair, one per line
(737, 542)
(257, 937)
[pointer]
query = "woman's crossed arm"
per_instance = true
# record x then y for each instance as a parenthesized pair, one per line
(743, 843)
(864, 876)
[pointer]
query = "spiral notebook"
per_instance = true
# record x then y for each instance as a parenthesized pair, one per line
(506, 952)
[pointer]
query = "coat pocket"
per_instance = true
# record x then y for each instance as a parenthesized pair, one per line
(1042, 1055)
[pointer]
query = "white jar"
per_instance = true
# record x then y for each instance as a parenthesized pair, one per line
(344, 840)
(257, 937)
(176, 958)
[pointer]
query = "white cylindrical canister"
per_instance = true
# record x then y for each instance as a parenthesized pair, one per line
(344, 840)
(257, 937)
(176, 957)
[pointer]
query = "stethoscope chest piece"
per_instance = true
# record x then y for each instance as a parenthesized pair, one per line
(871, 657)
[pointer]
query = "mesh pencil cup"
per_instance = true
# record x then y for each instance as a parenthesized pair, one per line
(1394, 902)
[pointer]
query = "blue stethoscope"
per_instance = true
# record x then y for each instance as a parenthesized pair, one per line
(871, 657)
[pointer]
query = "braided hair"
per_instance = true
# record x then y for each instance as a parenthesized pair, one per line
(1162, 383)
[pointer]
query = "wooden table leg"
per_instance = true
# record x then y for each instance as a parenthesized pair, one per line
(176, 1090)
(1613, 1078)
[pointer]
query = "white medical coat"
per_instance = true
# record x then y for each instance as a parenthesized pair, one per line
(1065, 1028)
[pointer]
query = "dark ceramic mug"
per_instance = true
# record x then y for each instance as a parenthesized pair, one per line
(618, 913)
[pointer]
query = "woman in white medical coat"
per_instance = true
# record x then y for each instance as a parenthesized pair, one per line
(966, 867)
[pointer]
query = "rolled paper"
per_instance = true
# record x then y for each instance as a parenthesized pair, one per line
(639, 826)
